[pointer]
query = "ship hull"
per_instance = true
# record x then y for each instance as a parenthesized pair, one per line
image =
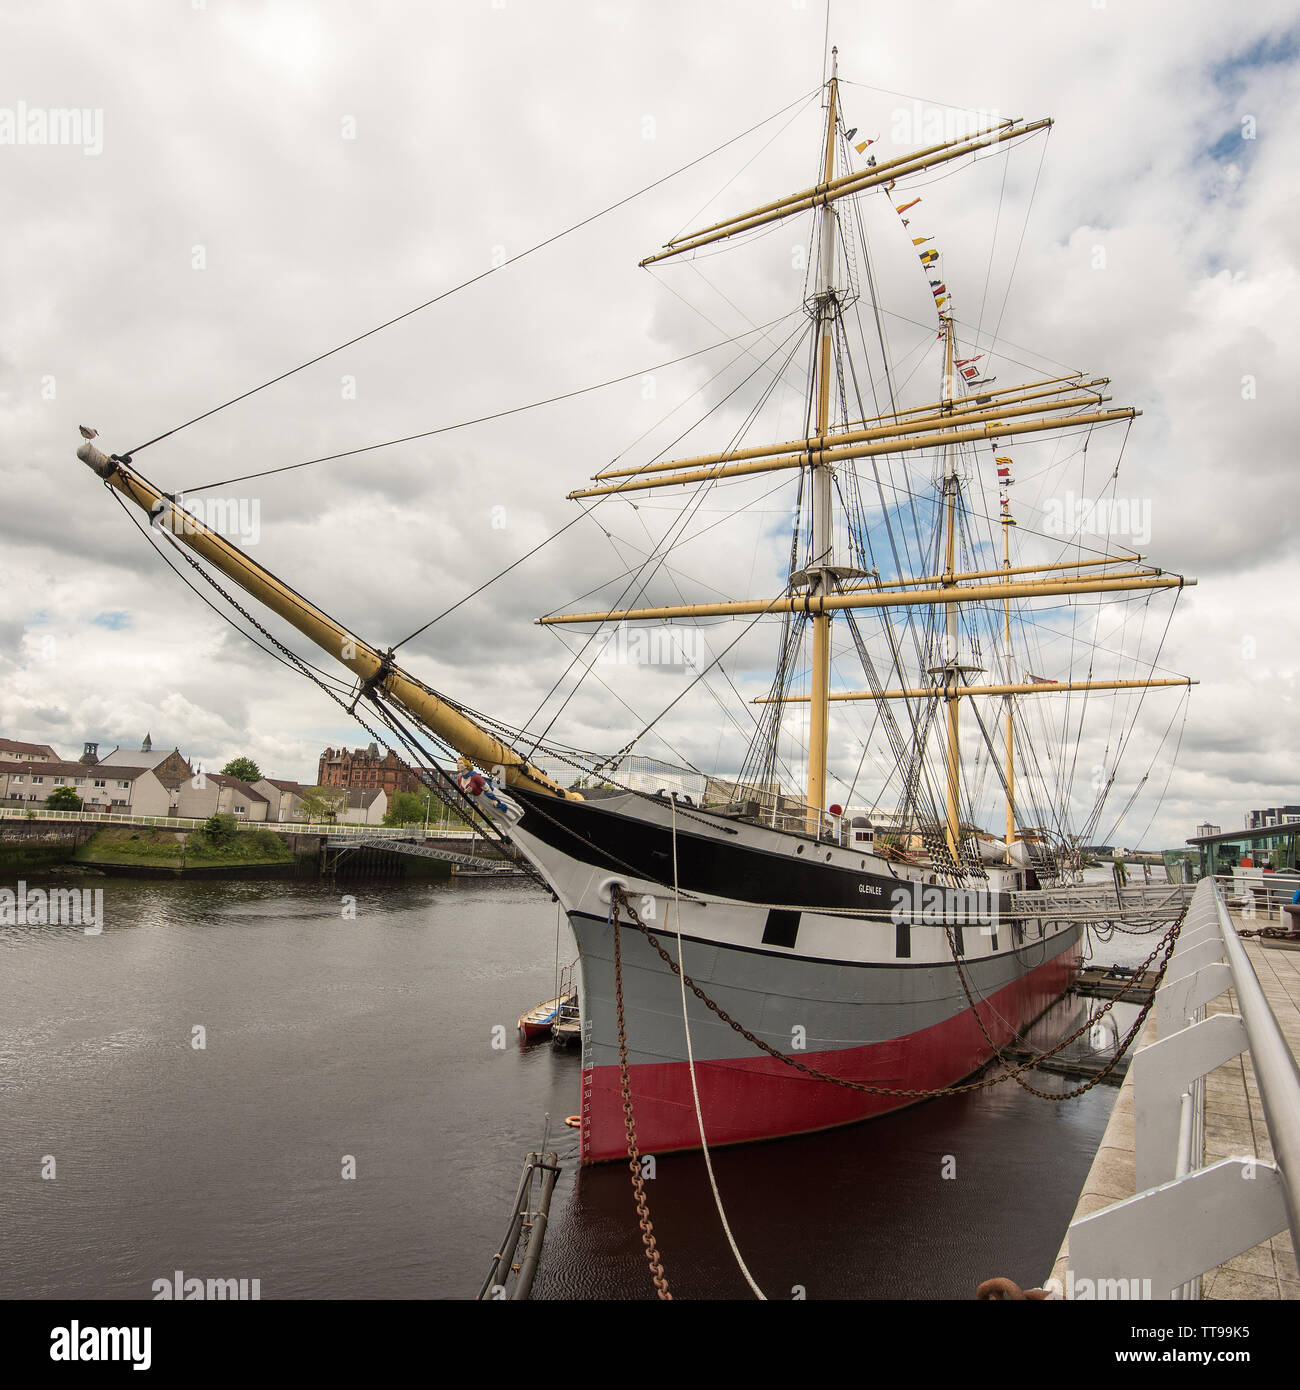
(899, 1028)
(827, 954)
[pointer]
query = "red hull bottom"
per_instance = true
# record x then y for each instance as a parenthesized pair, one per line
(744, 1099)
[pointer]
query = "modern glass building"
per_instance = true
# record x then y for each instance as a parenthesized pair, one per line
(1271, 847)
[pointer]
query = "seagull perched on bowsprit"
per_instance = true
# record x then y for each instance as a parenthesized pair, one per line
(87, 432)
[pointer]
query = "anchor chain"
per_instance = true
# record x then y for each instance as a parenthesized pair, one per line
(633, 1156)
(1167, 942)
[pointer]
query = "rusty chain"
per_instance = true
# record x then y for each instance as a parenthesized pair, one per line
(633, 1156)
(1168, 942)
(619, 897)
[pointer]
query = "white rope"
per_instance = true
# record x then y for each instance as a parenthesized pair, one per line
(695, 1090)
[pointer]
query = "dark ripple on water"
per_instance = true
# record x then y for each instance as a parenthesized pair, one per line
(374, 1037)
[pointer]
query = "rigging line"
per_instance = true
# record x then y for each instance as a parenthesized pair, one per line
(642, 585)
(1093, 655)
(703, 672)
(993, 243)
(726, 709)
(482, 275)
(978, 112)
(636, 714)
(1173, 762)
(928, 496)
(1124, 740)
(679, 526)
(243, 560)
(694, 507)
(853, 786)
(727, 515)
(795, 336)
(751, 237)
(584, 511)
(826, 43)
(302, 667)
(1024, 619)
(968, 328)
(857, 391)
(889, 382)
(726, 299)
(622, 601)
(713, 323)
(162, 555)
(690, 221)
(699, 390)
(916, 767)
(1015, 261)
(496, 415)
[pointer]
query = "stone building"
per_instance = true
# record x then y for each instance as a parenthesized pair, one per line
(367, 769)
(11, 750)
(130, 790)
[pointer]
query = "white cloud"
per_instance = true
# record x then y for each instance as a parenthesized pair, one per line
(227, 142)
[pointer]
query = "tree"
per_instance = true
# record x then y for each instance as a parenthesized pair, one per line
(243, 768)
(63, 799)
(220, 830)
(322, 803)
(408, 808)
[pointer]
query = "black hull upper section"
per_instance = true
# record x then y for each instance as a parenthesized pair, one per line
(712, 861)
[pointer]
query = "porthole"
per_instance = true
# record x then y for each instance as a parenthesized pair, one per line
(798, 849)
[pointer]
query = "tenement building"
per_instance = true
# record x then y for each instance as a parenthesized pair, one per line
(366, 768)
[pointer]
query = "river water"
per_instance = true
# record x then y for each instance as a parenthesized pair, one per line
(372, 1043)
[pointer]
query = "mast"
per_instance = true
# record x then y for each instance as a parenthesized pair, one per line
(951, 670)
(1007, 524)
(818, 572)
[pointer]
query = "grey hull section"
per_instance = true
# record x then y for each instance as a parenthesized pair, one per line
(793, 1003)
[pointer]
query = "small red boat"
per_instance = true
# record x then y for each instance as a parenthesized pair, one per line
(538, 1020)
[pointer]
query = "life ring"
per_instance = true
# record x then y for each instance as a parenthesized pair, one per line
(573, 1121)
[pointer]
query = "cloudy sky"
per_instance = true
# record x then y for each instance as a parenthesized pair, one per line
(253, 183)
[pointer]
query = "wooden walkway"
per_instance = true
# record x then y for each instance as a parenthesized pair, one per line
(1234, 1124)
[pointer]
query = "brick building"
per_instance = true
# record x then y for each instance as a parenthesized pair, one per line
(366, 768)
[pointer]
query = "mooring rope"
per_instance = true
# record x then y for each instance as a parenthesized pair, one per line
(695, 1089)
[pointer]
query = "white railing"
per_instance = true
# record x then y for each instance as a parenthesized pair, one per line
(1187, 1218)
(1090, 901)
(196, 823)
(1259, 890)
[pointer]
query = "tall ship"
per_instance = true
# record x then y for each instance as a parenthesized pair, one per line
(759, 956)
